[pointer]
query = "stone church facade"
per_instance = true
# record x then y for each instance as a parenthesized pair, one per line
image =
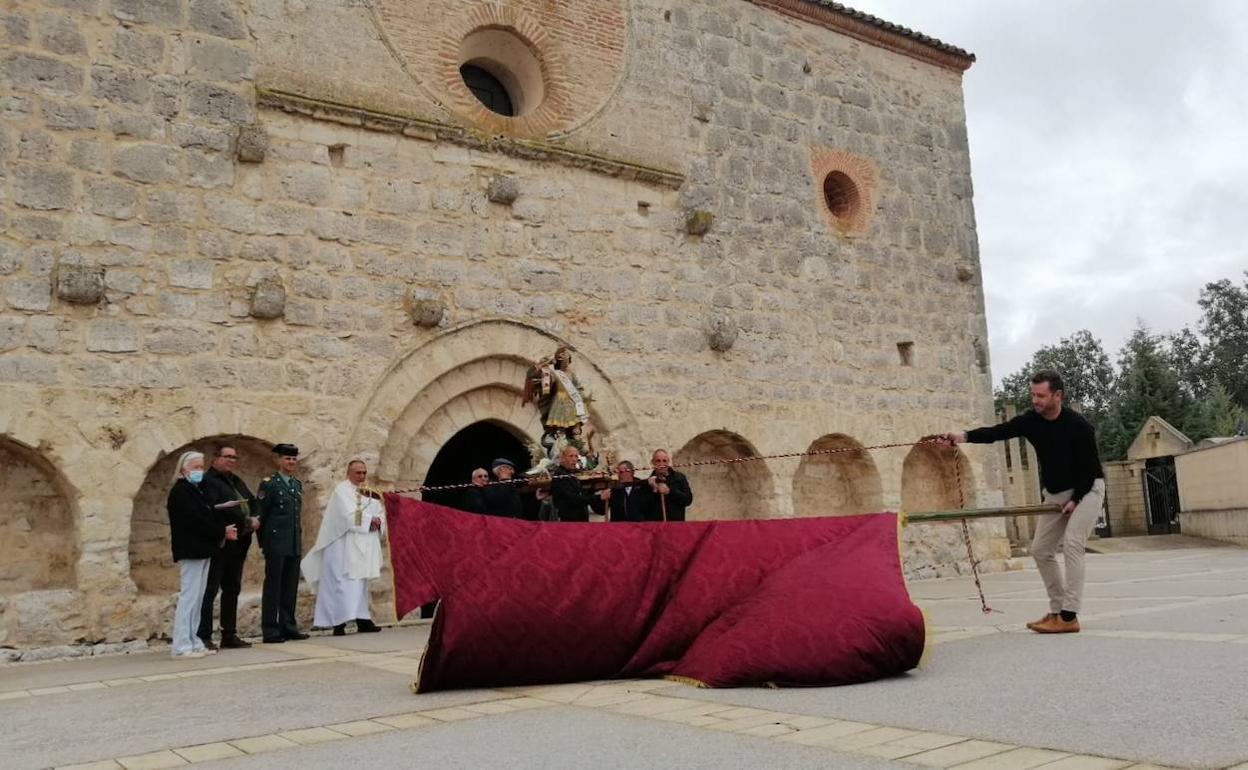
(270, 221)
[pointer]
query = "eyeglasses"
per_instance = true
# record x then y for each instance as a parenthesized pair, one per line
(229, 457)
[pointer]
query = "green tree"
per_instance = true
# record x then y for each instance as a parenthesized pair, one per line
(1147, 385)
(1085, 369)
(1184, 349)
(1216, 414)
(1223, 358)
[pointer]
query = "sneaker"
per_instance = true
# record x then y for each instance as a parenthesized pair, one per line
(191, 654)
(366, 626)
(1048, 616)
(340, 629)
(233, 642)
(208, 645)
(1055, 625)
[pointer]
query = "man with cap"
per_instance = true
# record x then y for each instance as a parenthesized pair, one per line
(503, 499)
(281, 538)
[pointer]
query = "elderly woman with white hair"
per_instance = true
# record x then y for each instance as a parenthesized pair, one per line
(196, 532)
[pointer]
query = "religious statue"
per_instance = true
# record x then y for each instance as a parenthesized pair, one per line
(564, 407)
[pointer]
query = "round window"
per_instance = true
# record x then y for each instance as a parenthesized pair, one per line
(841, 195)
(502, 71)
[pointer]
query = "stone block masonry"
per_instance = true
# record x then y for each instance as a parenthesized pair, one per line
(361, 270)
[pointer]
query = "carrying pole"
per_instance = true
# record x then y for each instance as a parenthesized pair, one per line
(927, 517)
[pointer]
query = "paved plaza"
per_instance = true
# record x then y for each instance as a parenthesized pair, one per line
(1159, 677)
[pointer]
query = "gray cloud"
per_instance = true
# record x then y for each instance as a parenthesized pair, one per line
(1109, 146)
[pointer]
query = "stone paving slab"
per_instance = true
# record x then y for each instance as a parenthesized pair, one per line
(1225, 618)
(555, 739)
(53, 673)
(155, 715)
(1069, 693)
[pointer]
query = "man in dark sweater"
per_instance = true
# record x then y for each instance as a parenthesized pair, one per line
(1070, 473)
(229, 495)
(667, 490)
(571, 500)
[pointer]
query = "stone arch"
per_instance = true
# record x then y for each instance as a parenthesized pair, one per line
(839, 484)
(486, 390)
(38, 532)
(930, 479)
(470, 373)
(151, 563)
(726, 491)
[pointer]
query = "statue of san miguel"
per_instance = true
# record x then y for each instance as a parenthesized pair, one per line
(564, 406)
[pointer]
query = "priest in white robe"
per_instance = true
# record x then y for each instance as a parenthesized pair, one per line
(347, 555)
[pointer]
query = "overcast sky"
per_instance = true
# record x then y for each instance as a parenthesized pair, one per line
(1109, 148)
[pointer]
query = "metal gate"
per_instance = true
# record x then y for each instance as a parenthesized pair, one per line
(1161, 496)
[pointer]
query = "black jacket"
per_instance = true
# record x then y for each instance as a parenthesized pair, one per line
(195, 529)
(220, 487)
(678, 499)
(571, 500)
(629, 506)
(503, 500)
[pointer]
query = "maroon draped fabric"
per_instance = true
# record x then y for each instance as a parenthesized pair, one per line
(728, 603)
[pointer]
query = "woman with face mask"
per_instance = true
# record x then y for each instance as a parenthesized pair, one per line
(196, 532)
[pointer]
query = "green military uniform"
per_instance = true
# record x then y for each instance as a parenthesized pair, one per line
(281, 538)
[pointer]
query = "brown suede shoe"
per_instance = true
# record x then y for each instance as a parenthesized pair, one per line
(1047, 617)
(1056, 625)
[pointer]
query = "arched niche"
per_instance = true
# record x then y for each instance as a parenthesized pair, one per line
(38, 537)
(936, 478)
(151, 561)
(844, 481)
(728, 490)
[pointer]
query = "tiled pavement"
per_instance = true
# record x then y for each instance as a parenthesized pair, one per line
(1160, 675)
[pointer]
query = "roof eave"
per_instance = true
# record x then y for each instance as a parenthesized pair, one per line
(873, 30)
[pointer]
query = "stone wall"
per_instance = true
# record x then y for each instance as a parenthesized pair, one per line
(211, 231)
(1124, 497)
(1213, 491)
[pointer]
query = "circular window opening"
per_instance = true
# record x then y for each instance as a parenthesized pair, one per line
(841, 195)
(488, 90)
(502, 71)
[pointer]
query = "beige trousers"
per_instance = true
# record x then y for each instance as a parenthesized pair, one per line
(1069, 532)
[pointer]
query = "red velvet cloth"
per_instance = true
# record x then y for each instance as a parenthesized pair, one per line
(798, 601)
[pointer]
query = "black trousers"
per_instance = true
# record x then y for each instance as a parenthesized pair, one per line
(277, 603)
(225, 573)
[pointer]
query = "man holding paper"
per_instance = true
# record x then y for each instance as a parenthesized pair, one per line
(228, 495)
(347, 554)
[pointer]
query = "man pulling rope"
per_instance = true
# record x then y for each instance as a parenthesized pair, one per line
(1070, 473)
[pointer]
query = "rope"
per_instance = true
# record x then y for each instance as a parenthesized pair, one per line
(953, 455)
(693, 464)
(966, 535)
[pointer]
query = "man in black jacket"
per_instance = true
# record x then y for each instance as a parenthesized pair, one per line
(667, 490)
(571, 500)
(1070, 473)
(626, 502)
(504, 499)
(229, 495)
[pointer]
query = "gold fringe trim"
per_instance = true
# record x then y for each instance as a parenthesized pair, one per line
(687, 680)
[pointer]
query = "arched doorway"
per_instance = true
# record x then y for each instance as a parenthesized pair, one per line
(936, 478)
(475, 446)
(151, 563)
(727, 490)
(842, 482)
(38, 541)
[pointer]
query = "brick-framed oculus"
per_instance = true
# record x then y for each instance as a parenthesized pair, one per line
(845, 189)
(528, 69)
